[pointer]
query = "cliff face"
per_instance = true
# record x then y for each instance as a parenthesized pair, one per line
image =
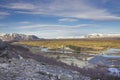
(17, 37)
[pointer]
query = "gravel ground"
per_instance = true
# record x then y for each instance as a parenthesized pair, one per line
(29, 69)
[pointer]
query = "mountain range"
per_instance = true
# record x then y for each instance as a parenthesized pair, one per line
(17, 37)
(98, 35)
(94, 35)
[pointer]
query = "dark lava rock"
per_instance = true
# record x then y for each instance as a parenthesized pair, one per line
(3, 45)
(3, 49)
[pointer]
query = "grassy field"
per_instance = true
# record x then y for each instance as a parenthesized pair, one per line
(94, 44)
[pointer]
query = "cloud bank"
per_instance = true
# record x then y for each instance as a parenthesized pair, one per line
(64, 8)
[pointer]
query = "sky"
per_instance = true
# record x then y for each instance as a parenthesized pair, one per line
(60, 18)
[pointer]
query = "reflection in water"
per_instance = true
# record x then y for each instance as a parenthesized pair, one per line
(110, 59)
(112, 53)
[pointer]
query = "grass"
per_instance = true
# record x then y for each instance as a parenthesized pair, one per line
(94, 44)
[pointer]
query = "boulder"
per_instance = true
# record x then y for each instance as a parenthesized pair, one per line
(3, 49)
(65, 77)
(3, 45)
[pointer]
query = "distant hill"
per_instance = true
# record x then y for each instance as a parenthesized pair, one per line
(17, 37)
(98, 35)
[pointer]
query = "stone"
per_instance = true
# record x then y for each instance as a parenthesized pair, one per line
(3, 45)
(65, 77)
(29, 69)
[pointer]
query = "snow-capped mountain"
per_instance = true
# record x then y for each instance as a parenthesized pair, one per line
(17, 37)
(98, 35)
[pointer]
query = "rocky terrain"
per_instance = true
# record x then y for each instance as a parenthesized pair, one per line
(17, 37)
(17, 63)
(29, 69)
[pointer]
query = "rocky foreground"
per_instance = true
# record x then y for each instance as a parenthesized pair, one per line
(29, 69)
(17, 63)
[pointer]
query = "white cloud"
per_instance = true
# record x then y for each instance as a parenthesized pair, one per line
(25, 22)
(55, 31)
(105, 1)
(3, 14)
(68, 20)
(21, 6)
(44, 26)
(55, 27)
(64, 8)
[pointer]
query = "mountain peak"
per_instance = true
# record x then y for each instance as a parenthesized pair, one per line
(99, 35)
(17, 37)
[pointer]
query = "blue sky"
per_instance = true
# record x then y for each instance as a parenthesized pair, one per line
(60, 18)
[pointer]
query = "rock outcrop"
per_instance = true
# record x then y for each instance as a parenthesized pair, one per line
(3, 49)
(3, 45)
(29, 69)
